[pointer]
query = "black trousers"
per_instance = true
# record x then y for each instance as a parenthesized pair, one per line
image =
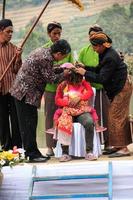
(49, 111)
(28, 118)
(9, 128)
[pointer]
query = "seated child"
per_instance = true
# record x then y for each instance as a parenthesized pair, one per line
(72, 96)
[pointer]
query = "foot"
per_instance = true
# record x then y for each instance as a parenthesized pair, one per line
(119, 154)
(110, 150)
(50, 131)
(39, 159)
(100, 129)
(65, 158)
(50, 152)
(90, 156)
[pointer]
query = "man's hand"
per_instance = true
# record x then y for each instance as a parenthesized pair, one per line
(80, 71)
(78, 65)
(19, 51)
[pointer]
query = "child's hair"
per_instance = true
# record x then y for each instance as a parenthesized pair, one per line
(74, 77)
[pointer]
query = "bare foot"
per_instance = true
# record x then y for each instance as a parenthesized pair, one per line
(100, 129)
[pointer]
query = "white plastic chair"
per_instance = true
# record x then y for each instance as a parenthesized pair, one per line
(78, 144)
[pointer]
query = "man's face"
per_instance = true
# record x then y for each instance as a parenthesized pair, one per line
(58, 56)
(55, 34)
(98, 48)
(6, 34)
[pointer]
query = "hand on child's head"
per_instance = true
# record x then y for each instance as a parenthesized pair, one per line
(78, 64)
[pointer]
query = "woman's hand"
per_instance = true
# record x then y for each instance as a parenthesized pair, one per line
(80, 71)
(74, 101)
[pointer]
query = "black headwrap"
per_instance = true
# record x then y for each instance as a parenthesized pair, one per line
(5, 23)
(52, 25)
(96, 28)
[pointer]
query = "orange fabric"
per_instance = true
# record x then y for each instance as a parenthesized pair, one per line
(101, 36)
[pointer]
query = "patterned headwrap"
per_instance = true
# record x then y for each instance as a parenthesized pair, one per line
(101, 38)
(52, 25)
(5, 23)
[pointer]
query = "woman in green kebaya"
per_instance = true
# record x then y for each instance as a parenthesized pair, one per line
(54, 30)
(90, 58)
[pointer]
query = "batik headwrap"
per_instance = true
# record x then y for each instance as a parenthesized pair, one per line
(52, 25)
(102, 39)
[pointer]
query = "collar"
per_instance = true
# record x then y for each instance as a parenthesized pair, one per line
(3, 44)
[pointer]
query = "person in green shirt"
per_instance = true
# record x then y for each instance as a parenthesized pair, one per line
(90, 58)
(54, 30)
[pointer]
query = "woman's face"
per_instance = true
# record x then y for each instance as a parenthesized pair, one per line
(55, 34)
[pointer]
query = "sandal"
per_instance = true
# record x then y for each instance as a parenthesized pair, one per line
(90, 157)
(65, 158)
(50, 131)
(100, 129)
(50, 152)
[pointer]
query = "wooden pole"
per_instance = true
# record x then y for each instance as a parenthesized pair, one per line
(25, 39)
(3, 9)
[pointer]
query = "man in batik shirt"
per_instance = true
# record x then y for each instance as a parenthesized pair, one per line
(36, 71)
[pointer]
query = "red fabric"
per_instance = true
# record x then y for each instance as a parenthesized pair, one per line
(62, 101)
(57, 114)
(64, 94)
(94, 115)
(89, 92)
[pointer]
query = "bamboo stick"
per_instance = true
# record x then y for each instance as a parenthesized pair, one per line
(25, 39)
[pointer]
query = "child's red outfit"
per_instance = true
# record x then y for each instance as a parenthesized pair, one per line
(64, 117)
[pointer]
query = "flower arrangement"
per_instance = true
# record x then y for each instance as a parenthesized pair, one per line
(11, 157)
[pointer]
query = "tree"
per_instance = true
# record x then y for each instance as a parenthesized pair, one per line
(118, 24)
(131, 9)
(36, 39)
